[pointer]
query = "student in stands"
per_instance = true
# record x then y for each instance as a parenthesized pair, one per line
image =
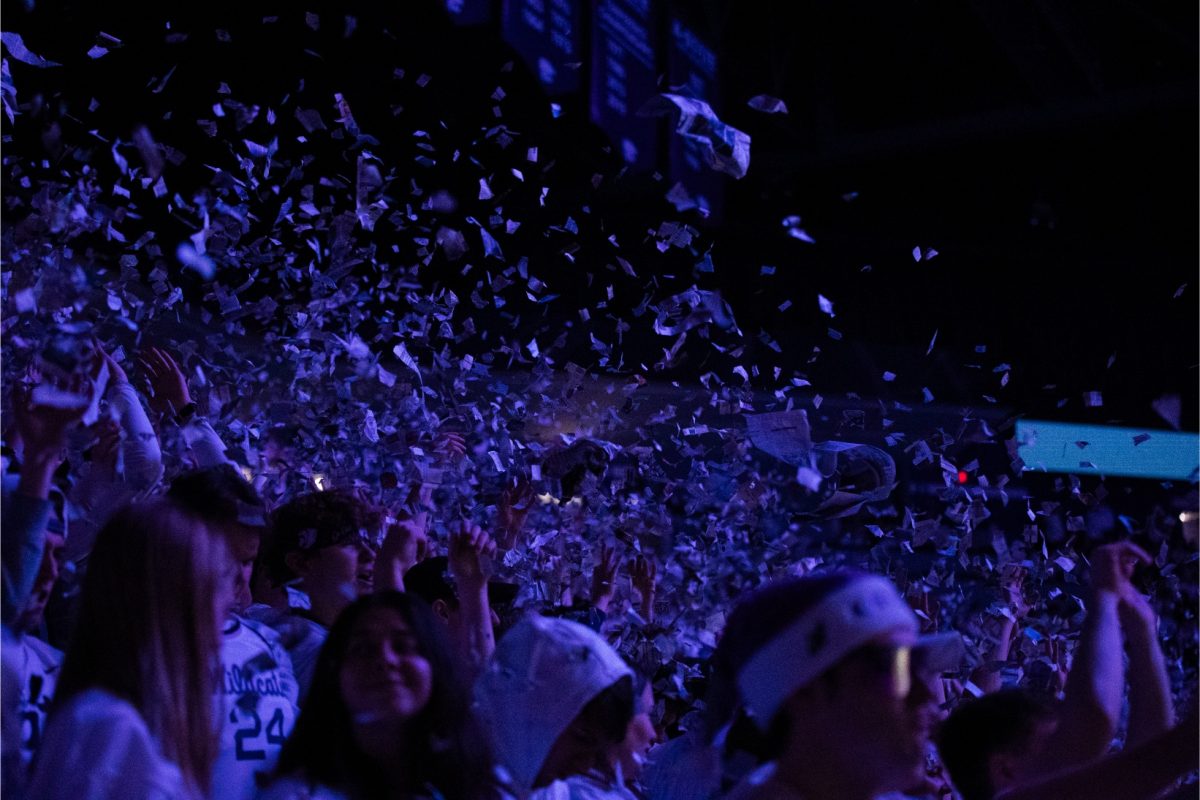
(323, 545)
(837, 684)
(557, 701)
(256, 691)
(1014, 738)
(386, 716)
(132, 715)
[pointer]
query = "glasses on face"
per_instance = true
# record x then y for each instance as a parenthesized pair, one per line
(891, 662)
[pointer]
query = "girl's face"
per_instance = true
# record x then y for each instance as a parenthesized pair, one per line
(640, 736)
(384, 676)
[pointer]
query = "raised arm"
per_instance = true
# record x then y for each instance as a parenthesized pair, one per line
(141, 453)
(42, 433)
(643, 573)
(513, 511)
(98, 492)
(1150, 708)
(1001, 628)
(604, 574)
(471, 550)
(403, 547)
(172, 399)
(1091, 707)
(1141, 772)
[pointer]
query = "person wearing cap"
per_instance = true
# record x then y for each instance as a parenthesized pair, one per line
(257, 692)
(837, 683)
(323, 543)
(462, 596)
(555, 698)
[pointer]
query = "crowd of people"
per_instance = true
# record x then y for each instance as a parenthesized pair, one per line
(349, 452)
(322, 646)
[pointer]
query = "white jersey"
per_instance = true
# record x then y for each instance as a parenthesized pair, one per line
(256, 707)
(301, 636)
(37, 665)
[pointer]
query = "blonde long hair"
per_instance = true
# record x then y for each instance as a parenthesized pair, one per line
(148, 628)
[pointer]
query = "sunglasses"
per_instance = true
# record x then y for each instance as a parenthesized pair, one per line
(894, 662)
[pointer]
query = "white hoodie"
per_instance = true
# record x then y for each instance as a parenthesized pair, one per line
(543, 673)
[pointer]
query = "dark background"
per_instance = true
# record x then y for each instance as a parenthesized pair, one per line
(1046, 150)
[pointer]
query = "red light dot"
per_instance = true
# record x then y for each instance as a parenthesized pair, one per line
(962, 476)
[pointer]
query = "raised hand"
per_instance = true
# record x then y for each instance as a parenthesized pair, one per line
(513, 509)
(604, 574)
(116, 373)
(1113, 566)
(1012, 585)
(43, 429)
(449, 447)
(404, 545)
(470, 555)
(168, 387)
(642, 575)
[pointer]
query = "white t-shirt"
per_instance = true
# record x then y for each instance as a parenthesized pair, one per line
(582, 787)
(256, 707)
(97, 747)
(37, 665)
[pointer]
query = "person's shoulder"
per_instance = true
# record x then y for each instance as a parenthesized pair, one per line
(558, 790)
(99, 722)
(296, 788)
(99, 707)
(47, 654)
(97, 745)
(583, 787)
(761, 785)
(254, 631)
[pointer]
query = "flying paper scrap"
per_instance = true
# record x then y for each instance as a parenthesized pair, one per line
(725, 148)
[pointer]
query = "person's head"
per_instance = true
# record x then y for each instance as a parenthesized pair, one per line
(386, 673)
(158, 586)
(986, 742)
(30, 617)
(577, 467)
(556, 699)
(326, 541)
(432, 582)
(640, 733)
(229, 505)
(835, 661)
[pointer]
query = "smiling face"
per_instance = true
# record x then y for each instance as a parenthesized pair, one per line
(384, 676)
(346, 568)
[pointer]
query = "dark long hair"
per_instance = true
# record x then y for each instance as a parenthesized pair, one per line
(445, 749)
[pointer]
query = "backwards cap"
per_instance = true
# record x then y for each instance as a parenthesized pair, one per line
(837, 623)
